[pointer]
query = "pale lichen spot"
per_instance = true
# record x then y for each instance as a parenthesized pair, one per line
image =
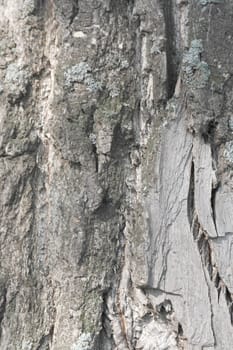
(79, 35)
(83, 343)
(228, 152)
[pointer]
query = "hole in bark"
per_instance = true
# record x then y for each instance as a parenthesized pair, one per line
(207, 130)
(165, 308)
(180, 330)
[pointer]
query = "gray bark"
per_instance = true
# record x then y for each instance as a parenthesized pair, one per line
(116, 160)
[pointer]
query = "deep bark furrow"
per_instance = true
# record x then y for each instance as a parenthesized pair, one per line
(3, 303)
(191, 199)
(171, 46)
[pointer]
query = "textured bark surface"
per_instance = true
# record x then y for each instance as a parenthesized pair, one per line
(116, 174)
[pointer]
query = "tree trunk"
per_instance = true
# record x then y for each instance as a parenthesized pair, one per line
(116, 174)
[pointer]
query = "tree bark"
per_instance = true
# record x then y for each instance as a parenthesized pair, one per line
(116, 174)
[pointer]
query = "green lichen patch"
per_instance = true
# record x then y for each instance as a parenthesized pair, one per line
(196, 71)
(228, 153)
(83, 343)
(93, 301)
(82, 73)
(27, 345)
(192, 57)
(109, 113)
(17, 79)
(29, 7)
(114, 89)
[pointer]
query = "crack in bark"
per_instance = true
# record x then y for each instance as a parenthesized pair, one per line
(191, 194)
(75, 12)
(171, 46)
(105, 336)
(94, 150)
(2, 308)
(216, 185)
(205, 263)
(203, 240)
(212, 201)
(206, 252)
(46, 340)
(157, 291)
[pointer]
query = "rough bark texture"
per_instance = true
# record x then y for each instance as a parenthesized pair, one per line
(116, 174)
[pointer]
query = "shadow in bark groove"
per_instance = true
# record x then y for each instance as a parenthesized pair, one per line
(46, 340)
(213, 199)
(75, 11)
(171, 46)
(2, 307)
(190, 202)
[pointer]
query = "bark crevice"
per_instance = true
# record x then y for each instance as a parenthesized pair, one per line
(172, 53)
(45, 342)
(3, 304)
(207, 257)
(191, 199)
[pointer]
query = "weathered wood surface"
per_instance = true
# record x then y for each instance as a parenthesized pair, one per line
(116, 163)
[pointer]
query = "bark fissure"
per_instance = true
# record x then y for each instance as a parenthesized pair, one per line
(206, 252)
(157, 291)
(171, 46)
(206, 263)
(3, 303)
(75, 11)
(205, 248)
(191, 199)
(215, 183)
(45, 342)
(213, 199)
